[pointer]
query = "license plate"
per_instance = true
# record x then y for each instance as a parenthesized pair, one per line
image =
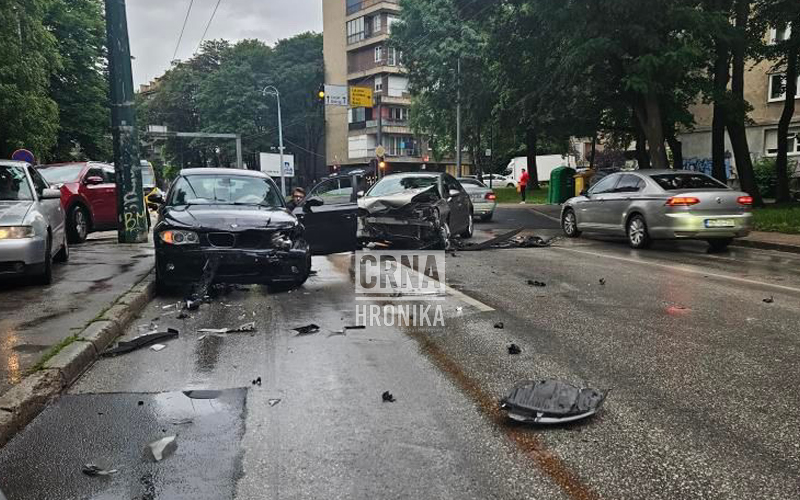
(477, 197)
(719, 223)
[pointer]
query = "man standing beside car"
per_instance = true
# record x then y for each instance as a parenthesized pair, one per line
(298, 197)
(523, 185)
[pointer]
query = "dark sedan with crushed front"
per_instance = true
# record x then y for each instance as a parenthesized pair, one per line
(230, 224)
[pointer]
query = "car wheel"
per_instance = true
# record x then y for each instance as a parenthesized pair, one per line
(63, 254)
(638, 236)
(510, 185)
(77, 224)
(47, 274)
(569, 224)
(443, 242)
(304, 273)
(470, 227)
(718, 245)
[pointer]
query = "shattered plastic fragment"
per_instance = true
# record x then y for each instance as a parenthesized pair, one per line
(124, 347)
(499, 325)
(158, 347)
(182, 421)
(202, 394)
(551, 402)
(273, 402)
(769, 300)
(537, 283)
(602, 281)
(192, 305)
(94, 470)
(514, 349)
(387, 397)
(355, 327)
(257, 381)
(307, 330)
(212, 330)
(163, 448)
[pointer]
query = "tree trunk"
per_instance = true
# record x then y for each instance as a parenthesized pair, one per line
(677, 151)
(594, 151)
(533, 172)
(721, 77)
(641, 145)
(782, 163)
(736, 114)
(648, 113)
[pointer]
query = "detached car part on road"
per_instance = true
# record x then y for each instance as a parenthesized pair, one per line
(660, 204)
(551, 402)
(419, 209)
(32, 228)
(235, 218)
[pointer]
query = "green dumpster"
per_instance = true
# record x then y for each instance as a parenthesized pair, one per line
(562, 185)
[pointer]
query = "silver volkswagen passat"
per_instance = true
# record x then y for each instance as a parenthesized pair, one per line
(648, 205)
(32, 229)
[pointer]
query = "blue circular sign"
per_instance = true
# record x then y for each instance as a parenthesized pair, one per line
(23, 155)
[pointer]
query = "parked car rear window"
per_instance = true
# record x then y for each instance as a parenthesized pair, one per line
(61, 174)
(394, 185)
(676, 182)
(14, 184)
(471, 182)
(224, 190)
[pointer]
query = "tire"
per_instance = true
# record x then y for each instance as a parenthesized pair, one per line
(77, 224)
(162, 288)
(47, 274)
(305, 273)
(569, 224)
(467, 234)
(444, 237)
(63, 254)
(720, 245)
(510, 185)
(636, 229)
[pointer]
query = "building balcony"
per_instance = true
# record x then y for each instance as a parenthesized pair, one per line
(372, 6)
(404, 100)
(359, 73)
(379, 37)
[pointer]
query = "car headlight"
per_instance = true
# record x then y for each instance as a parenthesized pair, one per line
(179, 237)
(281, 241)
(16, 232)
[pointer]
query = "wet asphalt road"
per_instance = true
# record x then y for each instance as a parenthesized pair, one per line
(703, 376)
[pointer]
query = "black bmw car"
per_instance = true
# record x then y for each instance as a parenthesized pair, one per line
(236, 222)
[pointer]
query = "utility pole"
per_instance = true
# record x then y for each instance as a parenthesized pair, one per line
(131, 212)
(271, 90)
(458, 120)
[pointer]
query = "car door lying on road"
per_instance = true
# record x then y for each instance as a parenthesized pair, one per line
(329, 215)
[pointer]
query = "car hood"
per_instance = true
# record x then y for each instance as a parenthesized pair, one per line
(228, 217)
(391, 202)
(13, 212)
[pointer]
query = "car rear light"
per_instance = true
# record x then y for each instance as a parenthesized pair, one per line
(491, 196)
(682, 201)
(745, 200)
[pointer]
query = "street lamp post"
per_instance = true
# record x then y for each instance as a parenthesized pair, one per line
(271, 90)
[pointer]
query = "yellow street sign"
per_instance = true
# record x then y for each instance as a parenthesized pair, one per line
(360, 97)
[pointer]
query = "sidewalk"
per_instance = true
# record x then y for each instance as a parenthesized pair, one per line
(35, 319)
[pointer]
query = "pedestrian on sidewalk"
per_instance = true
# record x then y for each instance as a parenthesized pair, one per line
(523, 185)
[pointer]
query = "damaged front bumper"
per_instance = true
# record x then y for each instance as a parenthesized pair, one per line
(176, 265)
(397, 229)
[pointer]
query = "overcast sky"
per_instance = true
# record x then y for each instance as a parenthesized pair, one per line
(154, 27)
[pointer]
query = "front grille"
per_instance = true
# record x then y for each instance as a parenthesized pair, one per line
(223, 240)
(250, 239)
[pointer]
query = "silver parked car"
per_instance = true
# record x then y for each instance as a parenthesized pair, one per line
(32, 228)
(484, 201)
(660, 204)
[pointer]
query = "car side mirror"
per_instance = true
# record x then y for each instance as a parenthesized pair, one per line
(93, 180)
(453, 193)
(50, 194)
(314, 201)
(360, 194)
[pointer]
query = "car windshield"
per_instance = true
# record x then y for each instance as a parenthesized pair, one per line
(14, 184)
(60, 174)
(675, 182)
(224, 190)
(394, 185)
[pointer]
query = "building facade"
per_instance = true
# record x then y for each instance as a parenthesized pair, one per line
(356, 53)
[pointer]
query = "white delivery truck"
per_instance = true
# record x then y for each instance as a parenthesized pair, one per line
(545, 164)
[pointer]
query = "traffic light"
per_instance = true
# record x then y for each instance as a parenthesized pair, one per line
(381, 162)
(321, 92)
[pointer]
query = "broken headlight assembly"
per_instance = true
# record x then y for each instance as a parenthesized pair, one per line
(16, 232)
(281, 241)
(179, 237)
(425, 213)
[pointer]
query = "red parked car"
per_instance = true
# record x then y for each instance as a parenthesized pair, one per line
(88, 195)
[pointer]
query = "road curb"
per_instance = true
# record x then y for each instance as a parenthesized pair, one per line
(23, 402)
(766, 245)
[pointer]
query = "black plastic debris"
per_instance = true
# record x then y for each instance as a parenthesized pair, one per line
(355, 327)
(95, 470)
(192, 304)
(769, 300)
(387, 397)
(162, 448)
(140, 403)
(470, 247)
(514, 349)
(202, 394)
(602, 282)
(247, 327)
(140, 341)
(257, 381)
(537, 283)
(551, 402)
(499, 325)
(307, 330)
(273, 402)
(182, 315)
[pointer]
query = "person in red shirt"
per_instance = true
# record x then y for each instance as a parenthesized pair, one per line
(523, 185)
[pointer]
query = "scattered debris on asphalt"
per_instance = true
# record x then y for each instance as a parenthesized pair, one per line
(678, 310)
(213, 330)
(769, 300)
(168, 306)
(537, 283)
(182, 315)
(472, 247)
(307, 330)
(388, 397)
(158, 347)
(514, 349)
(551, 402)
(183, 421)
(602, 282)
(257, 381)
(140, 403)
(94, 470)
(202, 394)
(499, 325)
(163, 448)
(139, 342)
(192, 304)
(355, 327)
(273, 402)
(247, 327)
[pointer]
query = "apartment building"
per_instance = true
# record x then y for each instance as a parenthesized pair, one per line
(356, 53)
(764, 90)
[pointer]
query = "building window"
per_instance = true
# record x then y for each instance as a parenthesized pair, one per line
(379, 85)
(781, 34)
(378, 54)
(390, 20)
(771, 142)
(376, 23)
(777, 88)
(398, 114)
(355, 30)
(358, 115)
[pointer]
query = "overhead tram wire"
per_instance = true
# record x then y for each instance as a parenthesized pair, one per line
(185, 20)
(205, 32)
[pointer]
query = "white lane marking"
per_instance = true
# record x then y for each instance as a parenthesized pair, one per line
(544, 214)
(683, 269)
(477, 304)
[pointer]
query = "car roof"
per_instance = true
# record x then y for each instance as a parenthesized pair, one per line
(223, 171)
(414, 174)
(662, 171)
